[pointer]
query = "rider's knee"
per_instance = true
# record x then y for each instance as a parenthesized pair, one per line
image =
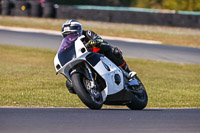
(117, 52)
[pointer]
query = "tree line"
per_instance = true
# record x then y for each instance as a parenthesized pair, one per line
(186, 5)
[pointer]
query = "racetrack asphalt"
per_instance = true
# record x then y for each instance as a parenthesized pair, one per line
(83, 120)
(166, 53)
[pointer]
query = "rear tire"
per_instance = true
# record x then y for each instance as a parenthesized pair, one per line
(139, 97)
(79, 85)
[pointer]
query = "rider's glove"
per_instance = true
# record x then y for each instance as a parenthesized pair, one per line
(95, 42)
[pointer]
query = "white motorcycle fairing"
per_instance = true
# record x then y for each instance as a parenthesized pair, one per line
(110, 73)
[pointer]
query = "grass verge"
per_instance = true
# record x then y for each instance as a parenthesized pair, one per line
(167, 35)
(27, 79)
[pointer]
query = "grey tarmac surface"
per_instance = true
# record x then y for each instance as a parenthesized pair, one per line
(165, 53)
(83, 120)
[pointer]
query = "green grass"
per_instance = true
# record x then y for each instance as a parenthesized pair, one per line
(167, 35)
(28, 79)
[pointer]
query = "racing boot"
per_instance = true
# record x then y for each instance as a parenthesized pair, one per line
(131, 73)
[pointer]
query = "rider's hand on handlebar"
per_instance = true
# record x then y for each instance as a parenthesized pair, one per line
(94, 43)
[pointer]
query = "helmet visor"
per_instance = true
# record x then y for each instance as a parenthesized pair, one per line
(73, 29)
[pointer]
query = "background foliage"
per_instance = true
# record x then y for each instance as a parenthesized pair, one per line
(187, 5)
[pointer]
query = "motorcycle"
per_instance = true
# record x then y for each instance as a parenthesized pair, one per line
(95, 79)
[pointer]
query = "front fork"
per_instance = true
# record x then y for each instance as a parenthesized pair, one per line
(92, 82)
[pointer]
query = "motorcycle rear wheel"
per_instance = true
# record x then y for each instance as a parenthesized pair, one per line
(139, 97)
(80, 86)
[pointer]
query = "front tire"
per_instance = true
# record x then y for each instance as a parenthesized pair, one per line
(139, 97)
(80, 86)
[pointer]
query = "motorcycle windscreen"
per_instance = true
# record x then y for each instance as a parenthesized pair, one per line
(67, 51)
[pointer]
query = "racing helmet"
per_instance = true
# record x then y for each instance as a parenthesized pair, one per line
(71, 26)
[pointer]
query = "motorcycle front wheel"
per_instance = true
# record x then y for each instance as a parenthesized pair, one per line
(91, 97)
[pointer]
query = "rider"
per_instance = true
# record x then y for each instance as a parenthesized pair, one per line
(96, 44)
